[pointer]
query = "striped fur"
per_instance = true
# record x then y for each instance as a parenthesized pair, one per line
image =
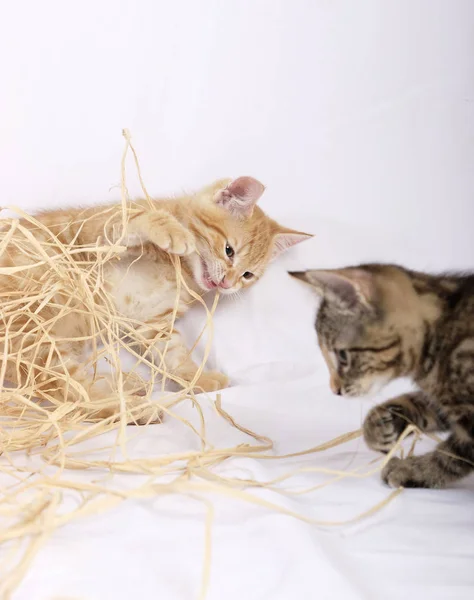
(379, 322)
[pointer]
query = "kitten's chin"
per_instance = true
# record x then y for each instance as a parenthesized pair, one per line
(227, 291)
(372, 389)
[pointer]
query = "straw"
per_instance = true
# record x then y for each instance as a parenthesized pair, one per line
(47, 416)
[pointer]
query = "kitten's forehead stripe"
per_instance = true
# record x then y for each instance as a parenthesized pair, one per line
(376, 349)
(212, 225)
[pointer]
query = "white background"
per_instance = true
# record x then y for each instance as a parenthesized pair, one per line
(358, 115)
(357, 111)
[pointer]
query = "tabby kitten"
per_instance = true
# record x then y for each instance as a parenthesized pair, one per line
(225, 243)
(379, 322)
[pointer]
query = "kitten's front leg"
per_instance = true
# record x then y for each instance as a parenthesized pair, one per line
(103, 393)
(162, 229)
(98, 397)
(386, 422)
(450, 461)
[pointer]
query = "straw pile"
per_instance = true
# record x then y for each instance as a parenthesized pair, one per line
(41, 441)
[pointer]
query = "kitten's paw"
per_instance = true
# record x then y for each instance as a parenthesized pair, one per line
(145, 414)
(134, 385)
(172, 237)
(211, 381)
(141, 411)
(383, 426)
(106, 384)
(411, 472)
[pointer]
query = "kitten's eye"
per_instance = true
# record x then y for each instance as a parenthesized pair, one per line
(229, 251)
(342, 357)
(247, 275)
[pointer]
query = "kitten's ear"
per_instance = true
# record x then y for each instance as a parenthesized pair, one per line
(240, 196)
(349, 288)
(286, 239)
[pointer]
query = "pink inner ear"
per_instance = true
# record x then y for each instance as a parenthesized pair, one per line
(283, 241)
(240, 196)
(364, 283)
(246, 188)
(347, 285)
(329, 282)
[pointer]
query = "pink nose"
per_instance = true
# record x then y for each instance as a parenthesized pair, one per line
(225, 284)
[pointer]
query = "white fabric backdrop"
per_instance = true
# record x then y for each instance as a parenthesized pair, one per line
(358, 111)
(359, 119)
(420, 545)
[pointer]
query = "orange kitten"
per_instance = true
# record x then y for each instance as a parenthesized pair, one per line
(224, 240)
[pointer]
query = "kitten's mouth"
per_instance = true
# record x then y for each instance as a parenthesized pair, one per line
(207, 282)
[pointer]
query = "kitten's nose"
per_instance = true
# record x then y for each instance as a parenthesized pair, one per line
(225, 284)
(335, 386)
